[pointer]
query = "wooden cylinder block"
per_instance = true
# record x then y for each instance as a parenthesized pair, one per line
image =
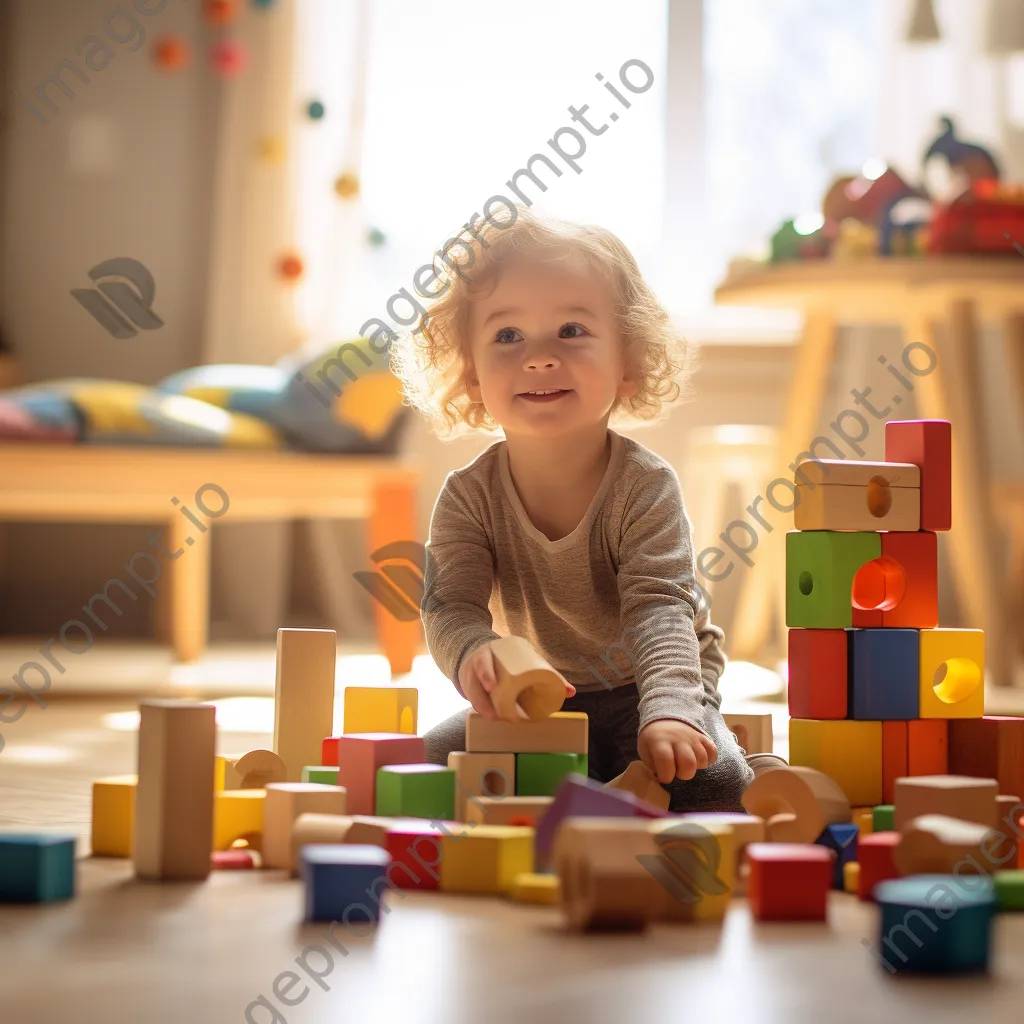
(525, 680)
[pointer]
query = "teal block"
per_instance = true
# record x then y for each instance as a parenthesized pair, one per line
(325, 774)
(416, 791)
(542, 774)
(883, 818)
(36, 868)
(820, 567)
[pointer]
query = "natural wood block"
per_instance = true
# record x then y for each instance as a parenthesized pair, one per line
(373, 830)
(113, 815)
(817, 673)
(525, 680)
(532, 888)
(284, 803)
(486, 860)
(954, 796)
(900, 589)
(253, 770)
(835, 494)
(746, 829)
(934, 844)
(562, 732)
(238, 814)
(991, 747)
(507, 810)
(174, 796)
(360, 756)
(796, 803)
(848, 751)
(928, 444)
(952, 673)
(311, 829)
(752, 732)
(303, 696)
(696, 863)
(392, 709)
(488, 775)
(820, 568)
(641, 781)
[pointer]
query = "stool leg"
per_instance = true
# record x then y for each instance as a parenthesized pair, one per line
(189, 585)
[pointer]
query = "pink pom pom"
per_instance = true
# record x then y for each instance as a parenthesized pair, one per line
(230, 58)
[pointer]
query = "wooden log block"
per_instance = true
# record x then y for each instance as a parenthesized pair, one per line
(796, 803)
(639, 780)
(528, 687)
(834, 494)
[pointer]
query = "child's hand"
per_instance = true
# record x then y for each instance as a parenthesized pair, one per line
(674, 749)
(478, 678)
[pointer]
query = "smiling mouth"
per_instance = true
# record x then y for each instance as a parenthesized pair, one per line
(543, 394)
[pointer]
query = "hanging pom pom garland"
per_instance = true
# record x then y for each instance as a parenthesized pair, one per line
(270, 150)
(290, 267)
(376, 237)
(346, 185)
(220, 12)
(315, 110)
(170, 53)
(229, 58)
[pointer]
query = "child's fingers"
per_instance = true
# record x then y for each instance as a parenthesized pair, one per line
(685, 761)
(570, 690)
(700, 755)
(485, 668)
(477, 696)
(712, 750)
(663, 760)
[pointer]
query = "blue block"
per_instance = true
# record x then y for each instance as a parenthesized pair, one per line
(841, 839)
(936, 923)
(883, 674)
(36, 868)
(340, 882)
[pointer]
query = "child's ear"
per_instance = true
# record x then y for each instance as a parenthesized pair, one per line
(473, 384)
(627, 388)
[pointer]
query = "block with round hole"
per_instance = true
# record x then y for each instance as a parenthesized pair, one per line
(528, 687)
(820, 568)
(884, 674)
(952, 673)
(834, 494)
(900, 589)
(481, 775)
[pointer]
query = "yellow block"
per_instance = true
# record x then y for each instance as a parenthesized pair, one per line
(851, 876)
(532, 888)
(864, 819)
(849, 752)
(698, 870)
(952, 683)
(381, 709)
(237, 813)
(113, 816)
(487, 859)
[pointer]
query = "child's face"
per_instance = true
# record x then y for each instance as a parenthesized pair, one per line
(547, 328)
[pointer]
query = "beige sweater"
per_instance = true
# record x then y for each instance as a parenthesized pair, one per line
(612, 603)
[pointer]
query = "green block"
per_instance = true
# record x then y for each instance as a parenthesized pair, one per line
(820, 566)
(325, 774)
(542, 774)
(36, 868)
(1009, 889)
(416, 791)
(883, 818)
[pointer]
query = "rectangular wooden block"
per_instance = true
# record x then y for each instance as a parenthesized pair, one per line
(919, 747)
(820, 567)
(849, 752)
(928, 444)
(883, 674)
(487, 859)
(900, 589)
(836, 494)
(817, 673)
(174, 795)
(489, 775)
(360, 755)
(304, 695)
(563, 732)
(381, 709)
(285, 801)
(952, 673)
(955, 796)
(508, 810)
(113, 816)
(752, 732)
(991, 747)
(238, 814)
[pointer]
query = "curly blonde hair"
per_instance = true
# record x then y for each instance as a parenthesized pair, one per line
(431, 361)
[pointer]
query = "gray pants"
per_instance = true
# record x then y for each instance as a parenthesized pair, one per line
(614, 721)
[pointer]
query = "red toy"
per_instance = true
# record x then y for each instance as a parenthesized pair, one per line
(984, 220)
(817, 673)
(927, 444)
(900, 590)
(916, 747)
(789, 881)
(874, 854)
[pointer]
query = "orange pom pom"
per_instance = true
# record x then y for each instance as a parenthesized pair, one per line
(220, 12)
(170, 53)
(290, 267)
(346, 185)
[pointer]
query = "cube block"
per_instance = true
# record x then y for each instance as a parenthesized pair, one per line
(788, 881)
(340, 880)
(238, 814)
(820, 567)
(928, 444)
(884, 674)
(900, 589)
(542, 774)
(952, 667)
(918, 747)
(849, 752)
(991, 747)
(817, 673)
(284, 802)
(875, 856)
(113, 816)
(416, 791)
(325, 774)
(360, 756)
(481, 775)
(841, 839)
(955, 796)
(534, 888)
(884, 818)
(486, 860)
(36, 868)
(415, 849)
(381, 709)
(1009, 889)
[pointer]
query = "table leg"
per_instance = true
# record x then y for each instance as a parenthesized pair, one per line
(763, 585)
(188, 585)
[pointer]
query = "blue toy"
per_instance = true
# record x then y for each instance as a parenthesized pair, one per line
(36, 868)
(341, 882)
(841, 839)
(883, 674)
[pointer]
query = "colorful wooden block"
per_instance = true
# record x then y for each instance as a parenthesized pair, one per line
(884, 818)
(928, 444)
(933, 924)
(303, 695)
(232, 860)
(884, 674)
(841, 839)
(918, 747)
(900, 589)
(955, 796)
(639, 780)
(486, 860)
(507, 810)
(848, 752)
(753, 732)
(796, 803)
(113, 816)
(285, 801)
(253, 770)
(174, 795)
(533, 888)
(527, 685)
(311, 829)
(851, 877)
(746, 829)
(326, 775)
(1009, 889)
(563, 732)
(789, 881)
(835, 494)
(36, 868)
(340, 880)
(416, 791)
(238, 814)
(416, 855)
(391, 709)
(952, 673)
(875, 856)
(817, 673)
(695, 862)
(820, 567)
(863, 818)
(369, 830)
(360, 756)
(542, 774)
(476, 775)
(991, 747)
(1008, 809)
(934, 844)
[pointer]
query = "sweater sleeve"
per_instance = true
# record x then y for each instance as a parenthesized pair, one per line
(457, 582)
(667, 631)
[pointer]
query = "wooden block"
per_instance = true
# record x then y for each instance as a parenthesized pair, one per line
(284, 803)
(746, 829)
(934, 844)
(796, 803)
(820, 567)
(695, 862)
(841, 838)
(337, 880)
(416, 791)
(254, 770)
(371, 830)
(884, 674)
(851, 877)
(232, 860)
(525, 681)
(326, 775)
(894, 757)
(416, 855)
(928, 747)
(928, 444)
(639, 780)
(303, 696)
(817, 673)
(36, 868)
(360, 756)
(952, 673)
(1009, 889)
(752, 732)
(789, 881)
(991, 747)
(476, 775)
(900, 589)
(864, 819)
(848, 751)
(836, 494)
(875, 856)
(532, 888)
(392, 709)
(954, 796)
(238, 814)
(563, 732)
(113, 816)
(884, 818)
(542, 774)
(174, 796)
(317, 830)
(507, 810)
(1007, 810)
(486, 860)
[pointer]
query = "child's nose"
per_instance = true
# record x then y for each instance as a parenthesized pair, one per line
(541, 361)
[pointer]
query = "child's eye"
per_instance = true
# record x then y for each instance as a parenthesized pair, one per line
(570, 327)
(502, 337)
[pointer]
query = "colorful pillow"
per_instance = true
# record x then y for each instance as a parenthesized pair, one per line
(33, 414)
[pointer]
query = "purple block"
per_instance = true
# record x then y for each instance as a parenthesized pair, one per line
(582, 797)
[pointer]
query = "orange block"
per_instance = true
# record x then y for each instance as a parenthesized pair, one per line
(990, 747)
(900, 589)
(917, 747)
(894, 757)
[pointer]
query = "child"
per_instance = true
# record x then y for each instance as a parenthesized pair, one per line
(566, 532)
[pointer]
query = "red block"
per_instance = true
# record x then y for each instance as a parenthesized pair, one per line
(874, 854)
(817, 673)
(927, 444)
(899, 590)
(789, 881)
(232, 860)
(989, 748)
(416, 853)
(917, 747)
(329, 750)
(894, 757)
(361, 754)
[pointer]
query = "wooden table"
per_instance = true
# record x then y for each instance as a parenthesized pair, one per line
(99, 484)
(918, 295)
